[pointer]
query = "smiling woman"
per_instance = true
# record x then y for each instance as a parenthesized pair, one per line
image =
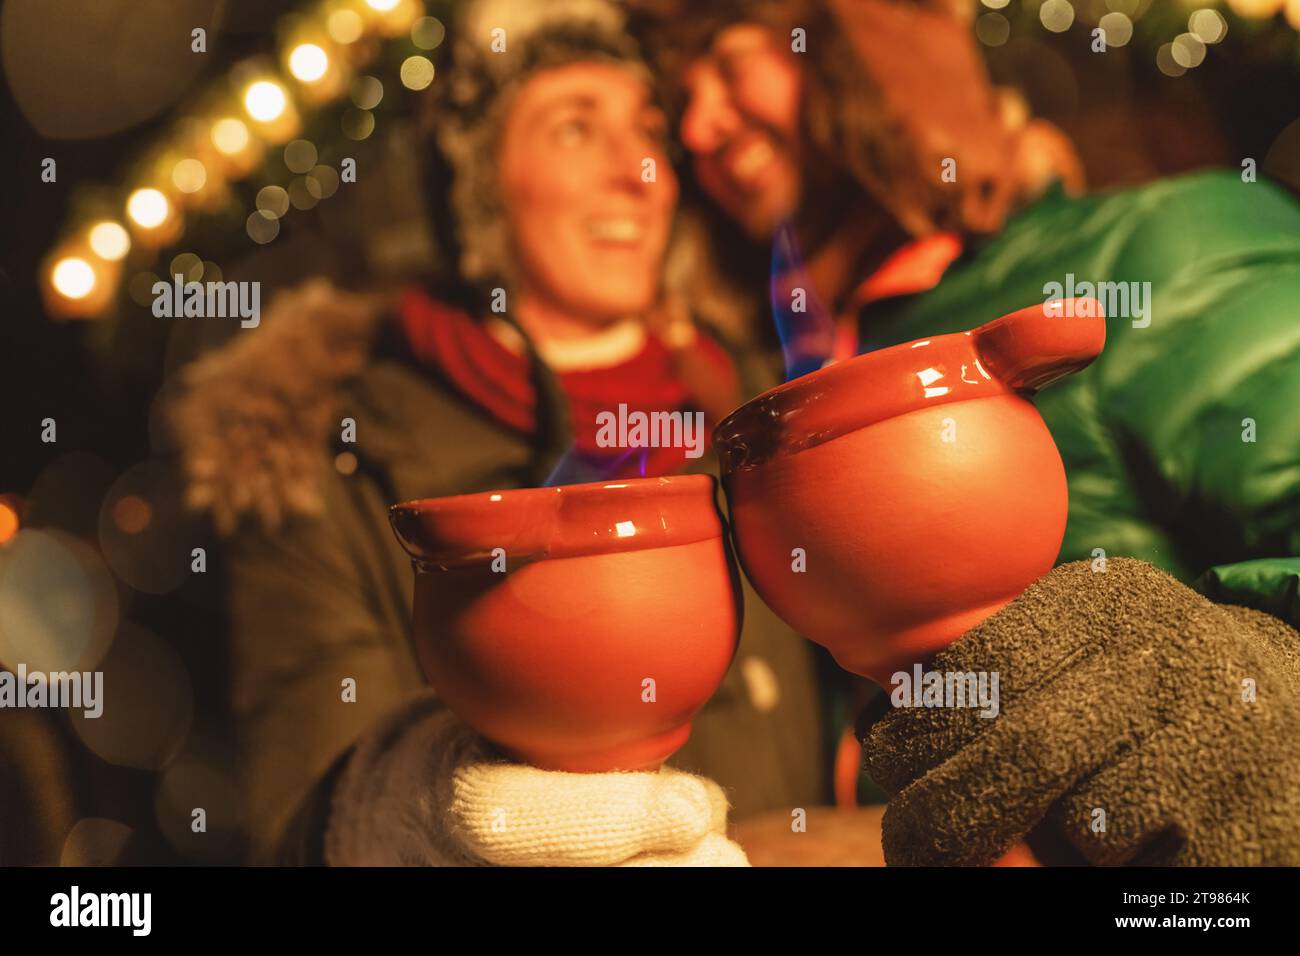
(589, 225)
(556, 192)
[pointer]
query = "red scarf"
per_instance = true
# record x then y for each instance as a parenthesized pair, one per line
(477, 365)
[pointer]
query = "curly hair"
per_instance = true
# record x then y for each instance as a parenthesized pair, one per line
(461, 120)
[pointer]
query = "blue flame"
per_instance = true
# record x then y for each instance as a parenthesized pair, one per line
(576, 468)
(805, 326)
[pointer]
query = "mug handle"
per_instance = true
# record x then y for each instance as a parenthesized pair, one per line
(1035, 346)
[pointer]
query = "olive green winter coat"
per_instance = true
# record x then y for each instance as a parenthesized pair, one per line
(327, 594)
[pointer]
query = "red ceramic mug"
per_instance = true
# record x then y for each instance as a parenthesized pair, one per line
(885, 505)
(577, 628)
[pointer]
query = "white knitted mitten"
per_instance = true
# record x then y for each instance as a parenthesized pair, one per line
(421, 789)
(515, 815)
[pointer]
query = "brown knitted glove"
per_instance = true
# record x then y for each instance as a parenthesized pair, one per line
(1138, 723)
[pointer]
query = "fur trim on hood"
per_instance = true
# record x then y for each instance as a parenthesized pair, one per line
(254, 420)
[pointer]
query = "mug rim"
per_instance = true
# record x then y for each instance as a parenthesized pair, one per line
(843, 397)
(600, 517)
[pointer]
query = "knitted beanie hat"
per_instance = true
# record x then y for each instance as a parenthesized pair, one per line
(499, 44)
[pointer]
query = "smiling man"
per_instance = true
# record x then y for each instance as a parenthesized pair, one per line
(741, 126)
(866, 137)
(850, 146)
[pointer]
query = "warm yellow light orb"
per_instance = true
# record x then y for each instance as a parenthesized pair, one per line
(265, 101)
(308, 62)
(345, 26)
(416, 72)
(1208, 24)
(109, 240)
(381, 5)
(9, 521)
(1255, 9)
(148, 208)
(229, 135)
(73, 278)
(189, 175)
(1056, 15)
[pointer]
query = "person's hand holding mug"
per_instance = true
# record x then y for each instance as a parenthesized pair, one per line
(440, 797)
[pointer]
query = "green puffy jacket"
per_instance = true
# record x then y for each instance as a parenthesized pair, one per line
(1181, 442)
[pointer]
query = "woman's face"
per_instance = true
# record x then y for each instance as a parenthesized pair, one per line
(587, 228)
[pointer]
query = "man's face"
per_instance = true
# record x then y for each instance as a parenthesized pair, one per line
(741, 126)
(588, 231)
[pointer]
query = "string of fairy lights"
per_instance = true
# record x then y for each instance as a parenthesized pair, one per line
(254, 113)
(1118, 20)
(262, 105)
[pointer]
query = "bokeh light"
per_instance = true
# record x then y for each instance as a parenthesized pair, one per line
(300, 156)
(1187, 50)
(140, 288)
(148, 208)
(427, 33)
(358, 124)
(1166, 63)
(131, 514)
(265, 101)
(366, 92)
(383, 6)
(75, 283)
(109, 240)
(197, 779)
(1255, 9)
(273, 201)
(95, 841)
(73, 277)
(1118, 29)
(308, 62)
(148, 703)
(1208, 24)
(416, 72)
(262, 227)
(188, 266)
(323, 182)
(189, 175)
(10, 520)
(229, 135)
(1056, 15)
(993, 29)
(58, 603)
(145, 533)
(300, 196)
(67, 493)
(344, 26)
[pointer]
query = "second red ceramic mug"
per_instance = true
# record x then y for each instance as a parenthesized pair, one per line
(885, 505)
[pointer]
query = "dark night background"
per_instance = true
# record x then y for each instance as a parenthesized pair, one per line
(99, 378)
